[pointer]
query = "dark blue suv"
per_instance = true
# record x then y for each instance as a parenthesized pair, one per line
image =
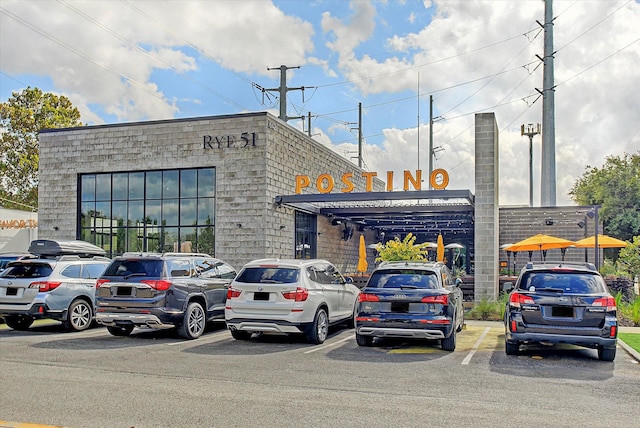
(181, 290)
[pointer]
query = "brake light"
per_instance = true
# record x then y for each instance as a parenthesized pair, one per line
(100, 282)
(364, 297)
(300, 294)
(45, 285)
(233, 293)
(441, 299)
(517, 299)
(608, 302)
(367, 319)
(157, 284)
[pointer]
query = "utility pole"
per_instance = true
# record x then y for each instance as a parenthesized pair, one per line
(283, 92)
(548, 163)
(530, 131)
(430, 139)
(360, 135)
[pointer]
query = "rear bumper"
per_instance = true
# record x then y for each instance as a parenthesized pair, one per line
(34, 310)
(139, 320)
(266, 326)
(413, 333)
(586, 341)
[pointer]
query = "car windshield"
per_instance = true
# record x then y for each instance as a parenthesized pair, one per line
(135, 267)
(403, 278)
(566, 282)
(269, 275)
(27, 270)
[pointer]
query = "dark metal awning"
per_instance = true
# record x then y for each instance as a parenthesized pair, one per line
(426, 213)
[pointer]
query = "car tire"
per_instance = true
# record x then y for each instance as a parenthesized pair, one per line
(319, 329)
(79, 316)
(194, 322)
(364, 340)
(511, 348)
(240, 334)
(120, 331)
(459, 329)
(449, 343)
(606, 354)
(18, 322)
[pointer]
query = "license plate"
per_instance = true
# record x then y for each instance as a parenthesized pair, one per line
(12, 291)
(123, 291)
(261, 296)
(402, 307)
(562, 311)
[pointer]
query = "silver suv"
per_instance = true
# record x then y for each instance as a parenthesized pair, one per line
(58, 283)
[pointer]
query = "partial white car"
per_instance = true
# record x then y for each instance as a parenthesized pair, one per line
(289, 296)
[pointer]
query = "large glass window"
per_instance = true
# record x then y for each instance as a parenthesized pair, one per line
(306, 234)
(154, 211)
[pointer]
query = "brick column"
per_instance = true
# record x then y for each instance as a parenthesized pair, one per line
(486, 254)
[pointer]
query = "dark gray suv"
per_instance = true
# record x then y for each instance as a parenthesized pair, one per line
(559, 302)
(158, 291)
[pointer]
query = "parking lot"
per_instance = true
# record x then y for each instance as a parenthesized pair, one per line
(155, 378)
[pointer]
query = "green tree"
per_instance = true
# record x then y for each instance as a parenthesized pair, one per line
(630, 257)
(22, 116)
(397, 250)
(616, 188)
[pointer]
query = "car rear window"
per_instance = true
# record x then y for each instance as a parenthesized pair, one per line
(567, 282)
(269, 275)
(28, 270)
(407, 278)
(135, 267)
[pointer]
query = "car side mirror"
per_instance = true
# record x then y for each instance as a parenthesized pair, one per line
(348, 280)
(507, 287)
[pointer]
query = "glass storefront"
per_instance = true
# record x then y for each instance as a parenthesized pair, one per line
(306, 235)
(152, 211)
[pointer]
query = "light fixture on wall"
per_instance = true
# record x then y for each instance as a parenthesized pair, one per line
(549, 222)
(282, 226)
(239, 224)
(335, 222)
(56, 228)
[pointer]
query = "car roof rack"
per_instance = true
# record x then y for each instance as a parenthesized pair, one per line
(555, 264)
(48, 248)
(186, 255)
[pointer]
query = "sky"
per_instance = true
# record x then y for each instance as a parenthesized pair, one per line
(121, 61)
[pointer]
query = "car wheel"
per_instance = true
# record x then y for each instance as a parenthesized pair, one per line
(320, 328)
(449, 343)
(511, 348)
(459, 329)
(120, 331)
(606, 354)
(194, 322)
(79, 316)
(240, 334)
(364, 340)
(18, 322)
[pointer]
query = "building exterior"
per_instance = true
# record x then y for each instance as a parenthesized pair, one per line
(17, 230)
(191, 185)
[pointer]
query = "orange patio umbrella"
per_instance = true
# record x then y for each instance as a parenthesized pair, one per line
(440, 249)
(362, 256)
(604, 241)
(540, 242)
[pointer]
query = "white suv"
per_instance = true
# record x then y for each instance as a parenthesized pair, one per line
(289, 296)
(58, 283)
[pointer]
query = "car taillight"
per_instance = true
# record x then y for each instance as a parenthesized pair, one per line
(232, 293)
(157, 284)
(100, 282)
(517, 299)
(300, 294)
(441, 300)
(45, 285)
(364, 297)
(608, 302)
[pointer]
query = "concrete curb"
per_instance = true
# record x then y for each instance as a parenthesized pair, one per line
(635, 354)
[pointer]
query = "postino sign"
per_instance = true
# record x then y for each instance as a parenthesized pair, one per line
(326, 183)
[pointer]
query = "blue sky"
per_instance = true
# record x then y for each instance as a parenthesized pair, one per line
(127, 60)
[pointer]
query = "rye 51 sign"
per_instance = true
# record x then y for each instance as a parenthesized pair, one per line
(325, 183)
(246, 139)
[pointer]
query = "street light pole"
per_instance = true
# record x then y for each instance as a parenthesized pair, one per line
(530, 130)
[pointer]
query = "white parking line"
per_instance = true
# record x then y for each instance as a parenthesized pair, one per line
(476, 346)
(209, 338)
(328, 345)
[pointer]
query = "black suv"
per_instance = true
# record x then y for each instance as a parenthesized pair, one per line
(182, 290)
(559, 302)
